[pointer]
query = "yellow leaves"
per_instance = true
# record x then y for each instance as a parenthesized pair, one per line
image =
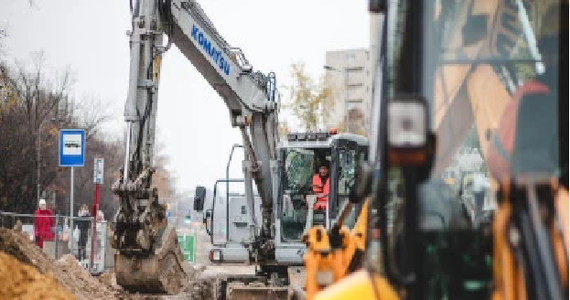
(309, 101)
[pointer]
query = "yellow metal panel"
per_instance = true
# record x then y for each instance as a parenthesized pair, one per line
(359, 285)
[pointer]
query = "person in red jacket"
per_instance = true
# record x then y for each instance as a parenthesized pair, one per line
(43, 224)
(321, 187)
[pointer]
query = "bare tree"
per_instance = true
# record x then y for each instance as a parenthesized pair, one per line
(31, 100)
(91, 113)
(162, 179)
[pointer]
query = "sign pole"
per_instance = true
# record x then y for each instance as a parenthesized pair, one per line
(71, 154)
(71, 210)
(94, 227)
(97, 179)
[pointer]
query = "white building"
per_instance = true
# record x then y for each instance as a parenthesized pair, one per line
(349, 74)
(351, 70)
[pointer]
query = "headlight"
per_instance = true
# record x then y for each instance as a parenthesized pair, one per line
(407, 124)
(407, 130)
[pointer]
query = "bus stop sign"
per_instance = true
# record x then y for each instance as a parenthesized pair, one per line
(71, 148)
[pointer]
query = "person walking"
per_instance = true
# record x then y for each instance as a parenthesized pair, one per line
(83, 226)
(43, 224)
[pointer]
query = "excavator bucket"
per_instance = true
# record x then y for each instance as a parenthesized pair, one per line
(164, 271)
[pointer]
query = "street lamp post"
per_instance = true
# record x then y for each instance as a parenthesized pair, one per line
(38, 156)
(345, 78)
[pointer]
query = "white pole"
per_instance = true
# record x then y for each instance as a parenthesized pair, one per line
(71, 227)
(346, 100)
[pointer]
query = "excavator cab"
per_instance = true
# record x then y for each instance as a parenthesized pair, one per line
(301, 157)
(468, 88)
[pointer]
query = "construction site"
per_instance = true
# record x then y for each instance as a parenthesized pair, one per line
(28, 273)
(431, 165)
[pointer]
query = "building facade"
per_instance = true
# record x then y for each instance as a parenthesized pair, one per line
(348, 72)
(351, 74)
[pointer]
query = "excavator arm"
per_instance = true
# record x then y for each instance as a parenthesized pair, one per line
(148, 257)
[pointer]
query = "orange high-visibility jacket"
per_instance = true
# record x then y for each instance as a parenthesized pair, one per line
(320, 188)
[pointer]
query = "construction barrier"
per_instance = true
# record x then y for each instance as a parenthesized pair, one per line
(60, 244)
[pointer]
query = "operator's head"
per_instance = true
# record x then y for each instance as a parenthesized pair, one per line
(324, 170)
(42, 204)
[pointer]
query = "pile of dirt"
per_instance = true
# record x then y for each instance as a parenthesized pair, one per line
(109, 280)
(17, 245)
(201, 289)
(21, 281)
(32, 272)
(79, 281)
(67, 271)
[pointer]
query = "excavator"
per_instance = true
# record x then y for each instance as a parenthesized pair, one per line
(148, 257)
(443, 69)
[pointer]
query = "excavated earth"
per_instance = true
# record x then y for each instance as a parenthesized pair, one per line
(28, 273)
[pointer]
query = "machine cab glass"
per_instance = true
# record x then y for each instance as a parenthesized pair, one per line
(317, 176)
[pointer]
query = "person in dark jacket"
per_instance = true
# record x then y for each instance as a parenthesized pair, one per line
(83, 226)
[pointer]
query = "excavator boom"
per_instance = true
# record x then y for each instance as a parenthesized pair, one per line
(148, 256)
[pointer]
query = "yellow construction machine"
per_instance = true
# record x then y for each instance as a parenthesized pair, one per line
(445, 68)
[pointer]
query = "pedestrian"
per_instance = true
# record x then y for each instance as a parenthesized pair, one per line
(83, 226)
(43, 224)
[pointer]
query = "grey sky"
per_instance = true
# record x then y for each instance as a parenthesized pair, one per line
(90, 38)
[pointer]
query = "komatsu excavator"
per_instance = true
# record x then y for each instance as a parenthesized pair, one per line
(148, 257)
(444, 68)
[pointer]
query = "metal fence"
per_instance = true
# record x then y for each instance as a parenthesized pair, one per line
(63, 240)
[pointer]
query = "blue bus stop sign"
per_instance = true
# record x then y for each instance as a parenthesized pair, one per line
(71, 148)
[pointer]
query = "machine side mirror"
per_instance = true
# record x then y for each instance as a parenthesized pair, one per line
(474, 30)
(208, 221)
(199, 198)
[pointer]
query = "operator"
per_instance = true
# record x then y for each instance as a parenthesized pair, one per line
(543, 89)
(321, 184)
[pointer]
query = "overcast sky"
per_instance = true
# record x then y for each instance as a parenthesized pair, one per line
(193, 121)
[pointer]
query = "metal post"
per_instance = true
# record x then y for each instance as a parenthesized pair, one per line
(94, 227)
(346, 100)
(71, 211)
(56, 234)
(38, 163)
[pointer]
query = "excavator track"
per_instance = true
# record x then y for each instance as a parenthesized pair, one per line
(164, 271)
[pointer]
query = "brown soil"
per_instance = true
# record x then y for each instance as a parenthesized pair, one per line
(21, 281)
(66, 271)
(195, 289)
(200, 289)
(21, 248)
(31, 274)
(79, 281)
